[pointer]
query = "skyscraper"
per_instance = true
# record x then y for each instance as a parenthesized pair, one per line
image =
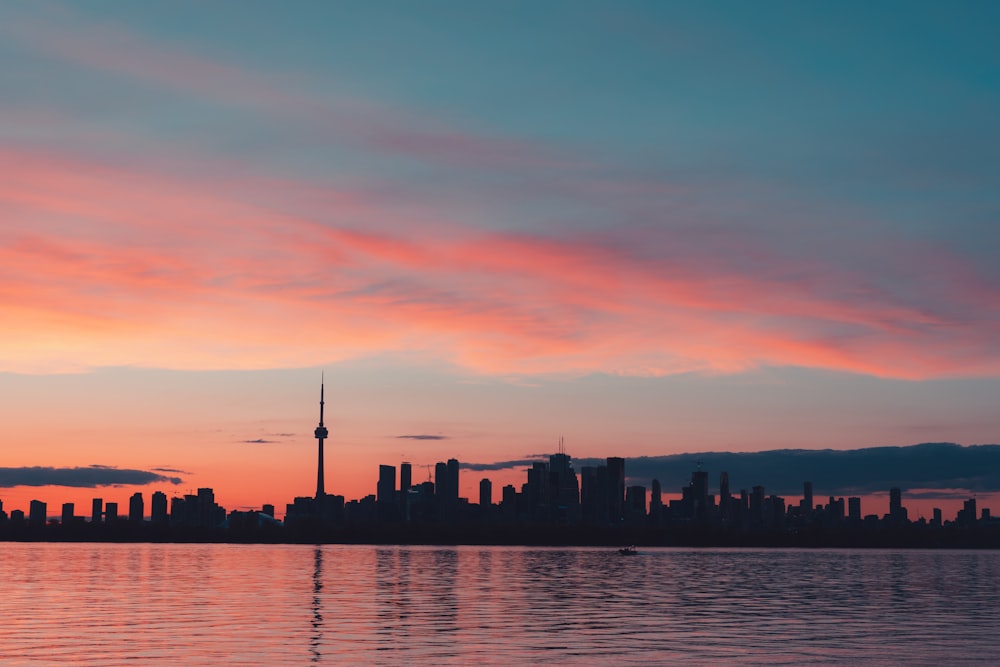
(136, 507)
(158, 507)
(321, 434)
(616, 488)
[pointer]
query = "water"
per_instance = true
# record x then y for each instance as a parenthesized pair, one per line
(112, 604)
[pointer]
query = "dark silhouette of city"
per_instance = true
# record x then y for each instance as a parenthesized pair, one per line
(554, 506)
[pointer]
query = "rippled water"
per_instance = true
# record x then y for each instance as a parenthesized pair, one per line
(99, 604)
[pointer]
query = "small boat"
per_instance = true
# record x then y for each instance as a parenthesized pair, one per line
(627, 551)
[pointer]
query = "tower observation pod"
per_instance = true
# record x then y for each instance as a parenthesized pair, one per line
(321, 435)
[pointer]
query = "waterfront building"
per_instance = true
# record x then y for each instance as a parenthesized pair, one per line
(96, 510)
(616, 488)
(37, 513)
(111, 512)
(158, 508)
(897, 513)
(136, 507)
(67, 514)
(854, 509)
(806, 506)
(385, 491)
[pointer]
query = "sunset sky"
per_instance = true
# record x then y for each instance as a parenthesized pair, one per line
(649, 228)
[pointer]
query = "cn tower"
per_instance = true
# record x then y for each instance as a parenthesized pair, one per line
(321, 434)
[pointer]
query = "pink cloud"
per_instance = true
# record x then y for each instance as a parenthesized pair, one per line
(110, 264)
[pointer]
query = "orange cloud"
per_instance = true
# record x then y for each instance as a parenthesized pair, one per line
(106, 265)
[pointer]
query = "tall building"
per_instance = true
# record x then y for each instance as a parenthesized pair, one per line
(111, 512)
(385, 493)
(321, 434)
(405, 477)
(441, 481)
(485, 493)
(655, 499)
(453, 480)
(136, 507)
(158, 508)
(616, 488)
(405, 482)
(807, 498)
(897, 513)
(37, 513)
(96, 510)
(725, 496)
(67, 513)
(854, 509)
(564, 487)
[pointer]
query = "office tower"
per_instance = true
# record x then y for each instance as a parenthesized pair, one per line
(564, 488)
(405, 484)
(405, 477)
(725, 497)
(37, 513)
(937, 516)
(616, 488)
(485, 493)
(835, 509)
(385, 490)
(453, 480)
(136, 507)
(441, 480)
(158, 508)
(321, 434)
(67, 513)
(111, 512)
(807, 497)
(897, 513)
(699, 494)
(757, 505)
(854, 509)
(655, 498)
(96, 510)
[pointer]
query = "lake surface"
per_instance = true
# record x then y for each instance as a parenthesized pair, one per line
(212, 604)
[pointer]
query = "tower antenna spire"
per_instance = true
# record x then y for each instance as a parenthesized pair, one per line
(321, 434)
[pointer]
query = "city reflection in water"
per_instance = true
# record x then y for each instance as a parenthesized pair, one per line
(98, 604)
(317, 615)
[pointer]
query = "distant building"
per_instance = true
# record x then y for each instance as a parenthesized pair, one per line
(111, 512)
(158, 508)
(136, 508)
(37, 513)
(616, 488)
(386, 493)
(96, 510)
(67, 513)
(854, 509)
(485, 493)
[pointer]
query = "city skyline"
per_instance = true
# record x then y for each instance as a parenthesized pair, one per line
(650, 230)
(598, 499)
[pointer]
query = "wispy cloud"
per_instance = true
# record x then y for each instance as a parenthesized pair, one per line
(422, 437)
(81, 477)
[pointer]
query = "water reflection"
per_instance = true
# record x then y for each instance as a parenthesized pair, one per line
(316, 640)
(229, 604)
